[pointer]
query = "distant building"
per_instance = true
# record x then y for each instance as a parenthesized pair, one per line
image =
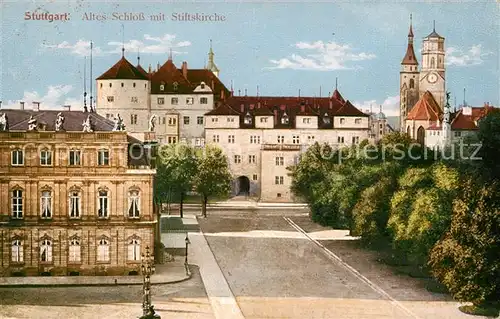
(379, 125)
(75, 195)
(263, 135)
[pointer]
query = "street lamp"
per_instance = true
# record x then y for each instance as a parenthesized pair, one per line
(147, 269)
(186, 259)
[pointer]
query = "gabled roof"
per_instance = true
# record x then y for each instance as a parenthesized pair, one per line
(223, 109)
(168, 75)
(73, 120)
(425, 109)
(196, 76)
(350, 110)
(336, 95)
(123, 70)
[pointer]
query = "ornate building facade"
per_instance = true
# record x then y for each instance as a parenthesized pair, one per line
(262, 136)
(75, 195)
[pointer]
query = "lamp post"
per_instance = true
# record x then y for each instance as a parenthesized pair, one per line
(147, 269)
(186, 258)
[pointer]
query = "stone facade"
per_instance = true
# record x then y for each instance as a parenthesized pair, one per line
(73, 202)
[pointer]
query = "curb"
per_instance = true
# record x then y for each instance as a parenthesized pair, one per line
(187, 277)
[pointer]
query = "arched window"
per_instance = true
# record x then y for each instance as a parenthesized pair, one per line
(75, 202)
(134, 250)
(134, 204)
(17, 203)
(103, 250)
(412, 83)
(74, 253)
(46, 204)
(284, 119)
(46, 251)
(17, 251)
(433, 63)
(103, 203)
(421, 136)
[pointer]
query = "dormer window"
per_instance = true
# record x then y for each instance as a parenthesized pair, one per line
(248, 118)
(285, 119)
(162, 86)
(202, 85)
(326, 119)
(176, 86)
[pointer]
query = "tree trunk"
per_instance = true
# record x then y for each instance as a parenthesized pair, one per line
(181, 204)
(204, 206)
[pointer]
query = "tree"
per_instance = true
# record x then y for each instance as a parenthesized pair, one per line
(213, 177)
(489, 136)
(466, 260)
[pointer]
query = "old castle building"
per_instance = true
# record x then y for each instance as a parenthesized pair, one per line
(262, 136)
(75, 195)
(170, 101)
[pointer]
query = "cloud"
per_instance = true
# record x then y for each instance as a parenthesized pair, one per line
(55, 97)
(390, 106)
(320, 56)
(149, 44)
(458, 57)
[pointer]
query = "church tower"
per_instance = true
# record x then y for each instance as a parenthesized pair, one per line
(408, 80)
(211, 64)
(432, 75)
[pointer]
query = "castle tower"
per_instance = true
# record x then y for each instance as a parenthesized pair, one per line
(408, 80)
(432, 75)
(211, 64)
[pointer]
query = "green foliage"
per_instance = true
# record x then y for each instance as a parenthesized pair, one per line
(466, 260)
(489, 136)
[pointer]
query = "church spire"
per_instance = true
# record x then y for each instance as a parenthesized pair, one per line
(211, 64)
(410, 58)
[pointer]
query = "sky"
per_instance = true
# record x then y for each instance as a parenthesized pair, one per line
(280, 48)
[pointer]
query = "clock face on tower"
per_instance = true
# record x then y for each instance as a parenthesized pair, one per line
(432, 78)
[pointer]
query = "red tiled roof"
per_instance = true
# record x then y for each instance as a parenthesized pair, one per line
(425, 109)
(350, 110)
(410, 58)
(167, 75)
(196, 76)
(139, 67)
(223, 109)
(336, 95)
(123, 70)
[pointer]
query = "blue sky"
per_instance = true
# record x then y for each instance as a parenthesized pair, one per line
(280, 47)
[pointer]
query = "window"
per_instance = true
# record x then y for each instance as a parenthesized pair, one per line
(100, 86)
(133, 84)
(326, 119)
(458, 133)
(134, 99)
(122, 84)
(134, 250)
(103, 204)
(161, 100)
(278, 195)
(111, 98)
(17, 251)
(74, 157)
(162, 87)
(284, 119)
(172, 121)
(103, 250)
(176, 86)
(186, 120)
(17, 157)
(45, 157)
(163, 120)
(133, 118)
(251, 159)
(278, 180)
(174, 101)
(433, 63)
(306, 120)
(189, 100)
(254, 139)
(254, 177)
(103, 157)
(46, 251)
(17, 203)
(281, 139)
(295, 139)
(237, 159)
(215, 138)
(355, 139)
(381, 125)
(75, 202)
(202, 85)
(280, 161)
(230, 119)
(342, 121)
(110, 85)
(133, 204)
(357, 121)
(263, 119)
(199, 120)
(340, 139)
(46, 204)
(203, 100)
(172, 139)
(248, 119)
(412, 83)
(74, 251)
(230, 139)
(214, 120)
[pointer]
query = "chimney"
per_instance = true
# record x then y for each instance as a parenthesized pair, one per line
(245, 92)
(302, 108)
(275, 116)
(36, 106)
(67, 107)
(21, 105)
(242, 108)
(213, 85)
(466, 110)
(185, 69)
(222, 95)
(258, 105)
(331, 104)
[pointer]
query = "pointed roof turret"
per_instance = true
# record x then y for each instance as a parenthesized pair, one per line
(123, 70)
(434, 34)
(410, 58)
(211, 64)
